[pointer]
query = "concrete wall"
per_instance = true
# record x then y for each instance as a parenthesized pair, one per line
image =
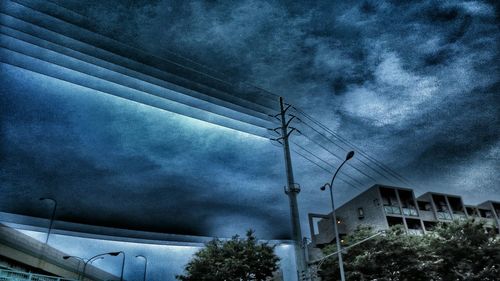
(373, 211)
(348, 214)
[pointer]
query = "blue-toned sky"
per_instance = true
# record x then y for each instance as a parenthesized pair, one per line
(414, 84)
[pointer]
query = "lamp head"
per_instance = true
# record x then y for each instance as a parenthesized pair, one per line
(66, 257)
(114, 254)
(323, 187)
(349, 155)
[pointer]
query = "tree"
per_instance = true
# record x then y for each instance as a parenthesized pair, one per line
(233, 260)
(459, 251)
(395, 256)
(466, 252)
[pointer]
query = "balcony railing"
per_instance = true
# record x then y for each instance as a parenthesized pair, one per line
(415, 231)
(459, 216)
(12, 275)
(444, 215)
(392, 210)
(410, 212)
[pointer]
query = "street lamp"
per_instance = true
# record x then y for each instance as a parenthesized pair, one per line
(349, 155)
(51, 217)
(114, 254)
(145, 265)
(79, 261)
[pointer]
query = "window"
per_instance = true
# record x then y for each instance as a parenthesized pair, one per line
(392, 221)
(486, 213)
(390, 201)
(496, 207)
(361, 213)
(408, 203)
(471, 211)
(414, 226)
(457, 207)
(442, 210)
(424, 206)
(429, 225)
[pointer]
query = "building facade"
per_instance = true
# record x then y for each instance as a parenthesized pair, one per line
(382, 207)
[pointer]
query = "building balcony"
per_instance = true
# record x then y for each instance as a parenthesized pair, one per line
(442, 215)
(427, 215)
(415, 232)
(410, 212)
(392, 210)
(459, 216)
(489, 222)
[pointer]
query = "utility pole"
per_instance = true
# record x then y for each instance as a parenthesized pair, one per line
(292, 189)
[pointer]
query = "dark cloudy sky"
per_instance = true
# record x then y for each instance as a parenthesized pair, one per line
(416, 85)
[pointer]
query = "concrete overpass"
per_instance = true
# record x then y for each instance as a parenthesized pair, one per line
(22, 253)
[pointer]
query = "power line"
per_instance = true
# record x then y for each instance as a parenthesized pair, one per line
(10, 61)
(270, 95)
(338, 157)
(323, 168)
(260, 91)
(317, 157)
(342, 148)
(64, 17)
(115, 78)
(331, 166)
(367, 156)
(151, 74)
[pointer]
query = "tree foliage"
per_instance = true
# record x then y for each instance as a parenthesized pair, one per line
(233, 260)
(457, 251)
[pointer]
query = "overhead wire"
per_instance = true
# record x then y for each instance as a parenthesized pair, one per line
(328, 164)
(340, 158)
(59, 16)
(323, 168)
(322, 160)
(204, 109)
(343, 149)
(345, 141)
(270, 95)
(80, 51)
(122, 97)
(115, 79)
(262, 93)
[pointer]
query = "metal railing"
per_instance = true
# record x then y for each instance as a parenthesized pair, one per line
(389, 209)
(410, 212)
(444, 215)
(11, 275)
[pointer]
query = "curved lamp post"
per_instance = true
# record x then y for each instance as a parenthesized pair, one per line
(145, 265)
(51, 217)
(349, 155)
(81, 260)
(114, 254)
(123, 262)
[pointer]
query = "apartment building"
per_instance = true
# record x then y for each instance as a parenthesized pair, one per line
(382, 207)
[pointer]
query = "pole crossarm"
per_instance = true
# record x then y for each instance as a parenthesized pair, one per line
(289, 120)
(291, 131)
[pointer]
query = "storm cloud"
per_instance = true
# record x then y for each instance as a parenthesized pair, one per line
(414, 84)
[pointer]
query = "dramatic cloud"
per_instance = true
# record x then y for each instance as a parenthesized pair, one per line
(414, 84)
